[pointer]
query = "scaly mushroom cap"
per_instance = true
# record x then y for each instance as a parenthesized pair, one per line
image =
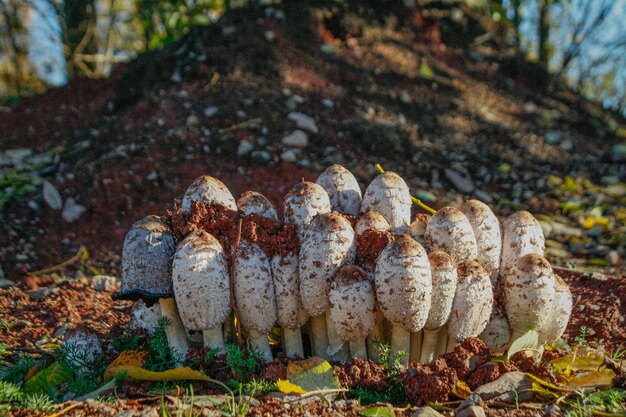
(254, 288)
(521, 234)
(472, 303)
(147, 262)
(303, 202)
(144, 317)
(389, 195)
(556, 325)
(252, 202)
(201, 282)
(445, 279)
(487, 233)
(209, 190)
(371, 220)
(450, 231)
(404, 283)
(497, 334)
(352, 302)
(529, 293)
(328, 243)
(291, 312)
(417, 229)
(342, 188)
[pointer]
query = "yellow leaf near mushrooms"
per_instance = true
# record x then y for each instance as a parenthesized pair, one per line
(131, 362)
(309, 375)
(590, 361)
(595, 379)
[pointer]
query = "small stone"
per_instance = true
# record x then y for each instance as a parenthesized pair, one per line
(261, 156)
(289, 156)
(598, 276)
(269, 35)
(192, 120)
(552, 137)
(471, 411)
(303, 121)
(509, 388)
(210, 111)
(72, 211)
(425, 196)
(328, 103)
(294, 399)
(61, 330)
(461, 183)
(567, 145)
(552, 408)
(615, 190)
(40, 293)
(614, 258)
(127, 413)
(344, 403)
(176, 77)
(426, 412)
(104, 283)
(405, 97)
(51, 196)
(619, 151)
(483, 196)
(6, 283)
(152, 176)
(244, 148)
(297, 138)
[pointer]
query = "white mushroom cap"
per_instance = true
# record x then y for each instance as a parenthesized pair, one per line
(497, 334)
(556, 325)
(328, 244)
(371, 220)
(444, 278)
(342, 188)
(291, 312)
(472, 303)
(144, 317)
(201, 282)
(82, 347)
(404, 283)
(529, 293)
(521, 234)
(417, 229)
(252, 202)
(389, 195)
(206, 189)
(352, 301)
(450, 231)
(254, 288)
(303, 202)
(487, 233)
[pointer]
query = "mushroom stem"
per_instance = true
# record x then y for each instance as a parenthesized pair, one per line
(358, 349)
(175, 331)
(336, 349)
(376, 336)
(259, 342)
(429, 346)
(442, 340)
(292, 339)
(451, 344)
(416, 346)
(320, 338)
(214, 339)
(400, 342)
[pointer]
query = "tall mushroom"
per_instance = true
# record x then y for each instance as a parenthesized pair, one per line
(342, 188)
(472, 303)
(521, 234)
(557, 323)
(352, 307)
(328, 244)
(208, 190)
(147, 274)
(389, 195)
(254, 295)
(488, 237)
(403, 289)
(445, 278)
(252, 202)
(202, 287)
(303, 202)
(529, 293)
(449, 230)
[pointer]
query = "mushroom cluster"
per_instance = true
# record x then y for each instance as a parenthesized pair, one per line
(354, 266)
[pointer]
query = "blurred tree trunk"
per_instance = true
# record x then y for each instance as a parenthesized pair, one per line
(543, 32)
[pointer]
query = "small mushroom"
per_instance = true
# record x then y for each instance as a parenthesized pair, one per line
(473, 301)
(252, 202)
(529, 293)
(559, 318)
(144, 317)
(202, 287)
(208, 190)
(328, 243)
(371, 220)
(303, 202)
(389, 195)
(521, 234)
(82, 347)
(488, 237)
(342, 188)
(254, 295)
(352, 307)
(147, 274)
(497, 334)
(450, 231)
(417, 229)
(445, 279)
(404, 289)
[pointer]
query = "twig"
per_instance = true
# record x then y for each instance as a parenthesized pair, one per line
(35, 351)
(507, 405)
(415, 200)
(65, 410)
(93, 394)
(241, 125)
(320, 393)
(81, 254)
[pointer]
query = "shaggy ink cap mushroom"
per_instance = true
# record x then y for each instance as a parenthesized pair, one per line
(417, 229)
(303, 202)
(342, 188)
(449, 230)
(202, 286)
(497, 334)
(556, 325)
(521, 235)
(488, 236)
(252, 202)
(208, 190)
(371, 220)
(352, 302)
(404, 289)
(389, 195)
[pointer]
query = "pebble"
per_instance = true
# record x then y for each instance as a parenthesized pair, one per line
(344, 403)
(40, 293)
(6, 283)
(176, 77)
(289, 156)
(244, 148)
(260, 156)
(471, 411)
(152, 176)
(72, 210)
(297, 138)
(462, 183)
(61, 330)
(483, 196)
(426, 412)
(328, 103)
(269, 35)
(210, 111)
(51, 196)
(614, 258)
(104, 283)
(248, 399)
(192, 120)
(303, 121)
(504, 389)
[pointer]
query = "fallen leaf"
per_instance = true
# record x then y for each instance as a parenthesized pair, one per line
(47, 378)
(461, 390)
(131, 362)
(594, 379)
(592, 361)
(426, 71)
(378, 411)
(528, 340)
(287, 387)
(308, 375)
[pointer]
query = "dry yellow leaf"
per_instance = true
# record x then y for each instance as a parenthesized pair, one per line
(131, 362)
(308, 375)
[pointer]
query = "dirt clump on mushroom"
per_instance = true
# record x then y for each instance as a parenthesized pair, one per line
(361, 373)
(424, 383)
(468, 356)
(369, 245)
